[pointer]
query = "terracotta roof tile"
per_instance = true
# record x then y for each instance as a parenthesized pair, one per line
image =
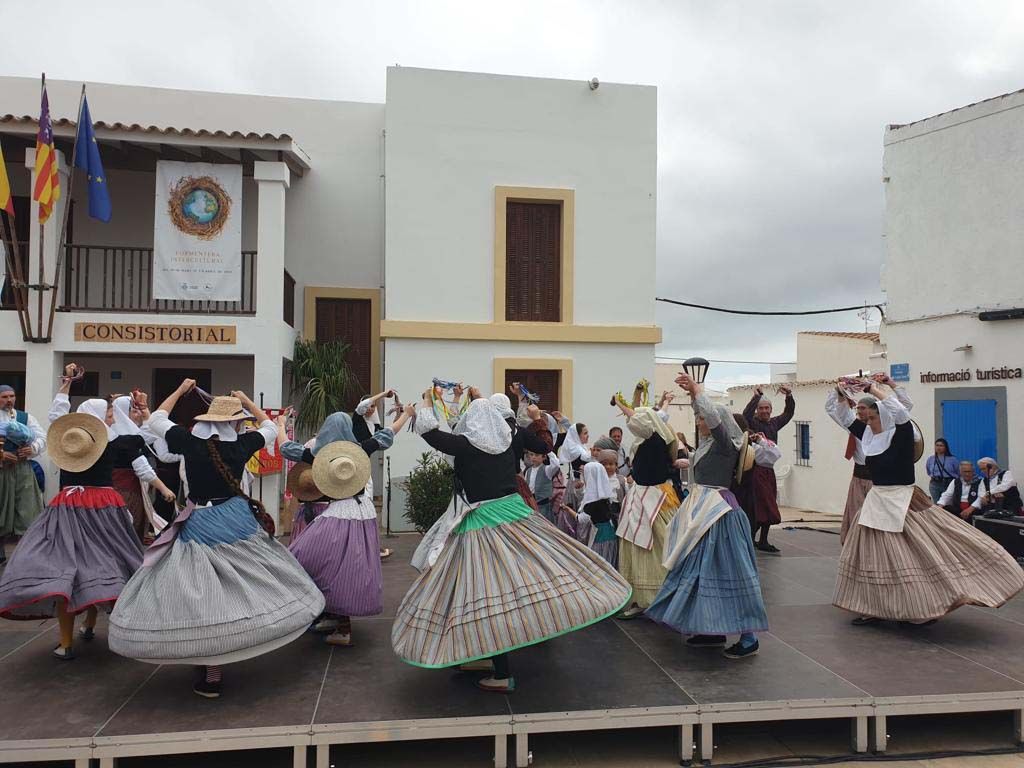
(793, 384)
(843, 334)
(150, 129)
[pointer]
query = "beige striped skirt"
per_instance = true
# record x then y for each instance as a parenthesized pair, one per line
(505, 579)
(937, 564)
(855, 496)
(641, 567)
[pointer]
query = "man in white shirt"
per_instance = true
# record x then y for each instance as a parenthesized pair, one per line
(998, 489)
(23, 440)
(961, 497)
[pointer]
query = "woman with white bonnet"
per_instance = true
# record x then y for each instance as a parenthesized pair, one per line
(504, 577)
(81, 551)
(215, 587)
(712, 589)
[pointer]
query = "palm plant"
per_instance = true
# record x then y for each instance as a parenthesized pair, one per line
(322, 379)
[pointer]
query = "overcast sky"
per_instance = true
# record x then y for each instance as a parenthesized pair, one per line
(770, 114)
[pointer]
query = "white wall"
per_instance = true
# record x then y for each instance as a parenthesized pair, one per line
(822, 356)
(452, 137)
(953, 228)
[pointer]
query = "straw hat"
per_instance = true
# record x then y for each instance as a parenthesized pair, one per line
(341, 469)
(224, 408)
(301, 484)
(745, 461)
(76, 441)
(918, 441)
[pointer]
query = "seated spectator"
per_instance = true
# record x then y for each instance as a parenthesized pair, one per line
(961, 495)
(998, 491)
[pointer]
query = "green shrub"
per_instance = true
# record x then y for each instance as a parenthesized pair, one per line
(428, 489)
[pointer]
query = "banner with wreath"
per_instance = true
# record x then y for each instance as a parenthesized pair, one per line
(197, 243)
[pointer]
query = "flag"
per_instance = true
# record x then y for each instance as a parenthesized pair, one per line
(87, 157)
(6, 203)
(47, 187)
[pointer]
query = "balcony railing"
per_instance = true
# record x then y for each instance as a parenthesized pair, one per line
(100, 278)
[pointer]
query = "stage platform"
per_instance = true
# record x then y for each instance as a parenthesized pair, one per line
(307, 696)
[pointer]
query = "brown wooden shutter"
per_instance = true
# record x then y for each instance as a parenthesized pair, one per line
(288, 307)
(349, 320)
(533, 261)
(545, 383)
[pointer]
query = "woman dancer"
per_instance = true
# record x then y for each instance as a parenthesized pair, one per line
(128, 416)
(340, 549)
(215, 588)
(906, 559)
(594, 520)
(505, 578)
(79, 554)
(648, 506)
(712, 589)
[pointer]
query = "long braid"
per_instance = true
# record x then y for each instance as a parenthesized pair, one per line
(225, 473)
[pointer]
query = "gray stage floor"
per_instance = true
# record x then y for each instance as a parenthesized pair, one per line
(811, 653)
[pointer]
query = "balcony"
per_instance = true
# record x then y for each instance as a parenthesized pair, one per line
(100, 278)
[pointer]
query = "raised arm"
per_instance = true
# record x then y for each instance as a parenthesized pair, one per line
(787, 413)
(428, 427)
(890, 410)
(186, 386)
(838, 409)
(267, 427)
(748, 412)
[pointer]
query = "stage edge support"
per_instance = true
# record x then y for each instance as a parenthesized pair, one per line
(859, 734)
(299, 756)
(1018, 726)
(108, 762)
(500, 751)
(879, 736)
(323, 756)
(523, 756)
(81, 762)
(707, 742)
(686, 743)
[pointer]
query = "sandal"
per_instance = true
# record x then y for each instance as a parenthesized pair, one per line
(87, 633)
(64, 654)
(342, 640)
(491, 685)
(385, 553)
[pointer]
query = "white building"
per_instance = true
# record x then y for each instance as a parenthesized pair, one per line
(953, 274)
(473, 227)
(813, 472)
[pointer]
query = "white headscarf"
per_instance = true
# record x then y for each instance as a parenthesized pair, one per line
(227, 431)
(596, 484)
(646, 422)
(98, 408)
(484, 427)
(503, 405)
(123, 424)
(573, 448)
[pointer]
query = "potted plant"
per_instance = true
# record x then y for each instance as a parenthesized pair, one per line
(428, 489)
(322, 379)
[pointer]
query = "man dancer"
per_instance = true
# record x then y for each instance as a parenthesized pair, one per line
(758, 414)
(23, 439)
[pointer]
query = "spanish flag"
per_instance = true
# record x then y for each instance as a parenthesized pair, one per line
(6, 203)
(47, 187)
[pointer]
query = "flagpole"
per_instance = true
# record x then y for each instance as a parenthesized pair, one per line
(42, 90)
(15, 275)
(64, 223)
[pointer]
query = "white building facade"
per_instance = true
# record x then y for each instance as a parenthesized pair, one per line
(380, 224)
(953, 278)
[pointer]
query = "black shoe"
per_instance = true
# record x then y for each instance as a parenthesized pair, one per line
(206, 689)
(86, 633)
(64, 654)
(863, 621)
(764, 546)
(916, 624)
(740, 651)
(706, 641)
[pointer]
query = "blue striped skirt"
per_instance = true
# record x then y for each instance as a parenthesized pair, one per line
(224, 591)
(714, 590)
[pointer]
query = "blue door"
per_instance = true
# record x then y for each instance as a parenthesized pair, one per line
(970, 428)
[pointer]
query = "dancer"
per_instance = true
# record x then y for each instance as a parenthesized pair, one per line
(906, 559)
(310, 502)
(81, 551)
(366, 422)
(712, 589)
(754, 491)
(505, 578)
(23, 440)
(594, 520)
(215, 588)
(764, 489)
(648, 506)
(340, 549)
(860, 483)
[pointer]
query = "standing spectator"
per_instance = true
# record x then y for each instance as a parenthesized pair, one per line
(615, 433)
(961, 496)
(943, 468)
(998, 488)
(22, 439)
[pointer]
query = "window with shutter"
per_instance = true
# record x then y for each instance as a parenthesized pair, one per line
(533, 261)
(544, 383)
(351, 321)
(288, 307)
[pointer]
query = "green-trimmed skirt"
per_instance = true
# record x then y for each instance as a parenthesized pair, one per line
(504, 580)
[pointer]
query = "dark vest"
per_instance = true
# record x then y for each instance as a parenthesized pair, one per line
(1011, 501)
(958, 490)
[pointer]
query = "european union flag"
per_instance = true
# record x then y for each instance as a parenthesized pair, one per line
(87, 157)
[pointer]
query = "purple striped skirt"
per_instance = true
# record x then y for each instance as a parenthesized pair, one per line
(340, 550)
(299, 523)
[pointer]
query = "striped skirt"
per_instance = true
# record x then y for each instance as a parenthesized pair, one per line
(127, 483)
(855, 496)
(341, 553)
(641, 567)
(504, 580)
(223, 592)
(82, 549)
(935, 565)
(715, 589)
(299, 524)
